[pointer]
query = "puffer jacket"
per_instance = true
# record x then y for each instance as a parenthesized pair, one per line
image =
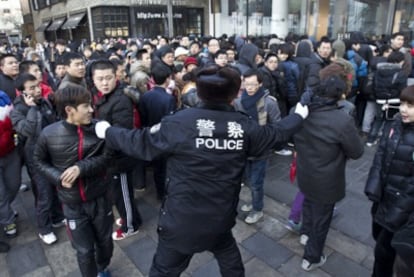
(389, 81)
(116, 108)
(62, 145)
(391, 178)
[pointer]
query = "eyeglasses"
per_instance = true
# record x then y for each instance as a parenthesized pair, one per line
(251, 85)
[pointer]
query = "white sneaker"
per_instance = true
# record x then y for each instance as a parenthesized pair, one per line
(284, 152)
(253, 217)
(246, 208)
(307, 266)
(48, 238)
(303, 239)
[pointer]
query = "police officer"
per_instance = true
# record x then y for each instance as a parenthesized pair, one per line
(206, 149)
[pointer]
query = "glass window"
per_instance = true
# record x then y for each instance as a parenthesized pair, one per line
(110, 22)
(404, 19)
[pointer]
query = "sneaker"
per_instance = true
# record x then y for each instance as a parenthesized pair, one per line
(284, 152)
(10, 230)
(120, 235)
(105, 273)
(48, 238)
(303, 239)
(307, 266)
(59, 223)
(4, 247)
(291, 144)
(371, 143)
(246, 208)
(24, 187)
(253, 217)
(293, 226)
(119, 222)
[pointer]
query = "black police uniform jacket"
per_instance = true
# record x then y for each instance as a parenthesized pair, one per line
(62, 145)
(206, 149)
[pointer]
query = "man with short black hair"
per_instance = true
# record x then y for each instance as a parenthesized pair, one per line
(75, 71)
(9, 69)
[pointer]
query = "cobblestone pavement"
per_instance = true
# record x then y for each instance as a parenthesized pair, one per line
(268, 248)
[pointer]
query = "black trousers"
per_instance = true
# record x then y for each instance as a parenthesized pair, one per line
(317, 219)
(168, 262)
(384, 254)
(122, 194)
(89, 228)
(159, 167)
(47, 203)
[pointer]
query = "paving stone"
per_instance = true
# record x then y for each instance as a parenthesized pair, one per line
(242, 230)
(22, 259)
(4, 271)
(45, 271)
(62, 258)
(291, 242)
(141, 253)
(339, 265)
(121, 265)
(357, 227)
(26, 232)
(198, 260)
(276, 209)
(246, 254)
(349, 247)
(209, 269)
(293, 268)
(369, 261)
(272, 227)
(256, 267)
(271, 252)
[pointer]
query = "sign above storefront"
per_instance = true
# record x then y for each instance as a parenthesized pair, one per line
(152, 15)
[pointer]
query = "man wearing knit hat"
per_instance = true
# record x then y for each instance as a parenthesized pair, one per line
(206, 149)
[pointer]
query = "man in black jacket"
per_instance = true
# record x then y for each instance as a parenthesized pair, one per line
(9, 69)
(207, 147)
(113, 105)
(70, 155)
(319, 60)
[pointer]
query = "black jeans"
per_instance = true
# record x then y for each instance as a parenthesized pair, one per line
(89, 226)
(317, 219)
(47, 203)
(168, 262)
(384, 254)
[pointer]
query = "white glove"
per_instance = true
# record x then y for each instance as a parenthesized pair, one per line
(100, 128)
(301, 110)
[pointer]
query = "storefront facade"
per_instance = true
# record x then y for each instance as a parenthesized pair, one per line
(316, 18)
(93, 19)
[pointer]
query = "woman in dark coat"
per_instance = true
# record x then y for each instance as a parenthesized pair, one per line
(390, 183)
(324, 144)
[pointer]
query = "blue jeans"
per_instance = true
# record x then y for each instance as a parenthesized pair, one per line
(256, 172)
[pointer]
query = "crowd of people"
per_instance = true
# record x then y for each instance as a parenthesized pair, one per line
(205, 114)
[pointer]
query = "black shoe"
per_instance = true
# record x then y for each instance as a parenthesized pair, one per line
(4, 247)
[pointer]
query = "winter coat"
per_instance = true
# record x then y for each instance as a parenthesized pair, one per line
(154, 105)
(116, 108)
(29, 121)
(62, 145)
(316, 64)
(274, 82)
(326, 141)
(389, 81)
(291, 73)
(390, 181)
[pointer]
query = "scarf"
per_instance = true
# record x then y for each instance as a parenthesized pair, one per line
(249, 102)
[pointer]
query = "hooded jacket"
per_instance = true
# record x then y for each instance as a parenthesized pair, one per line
(247, 58)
